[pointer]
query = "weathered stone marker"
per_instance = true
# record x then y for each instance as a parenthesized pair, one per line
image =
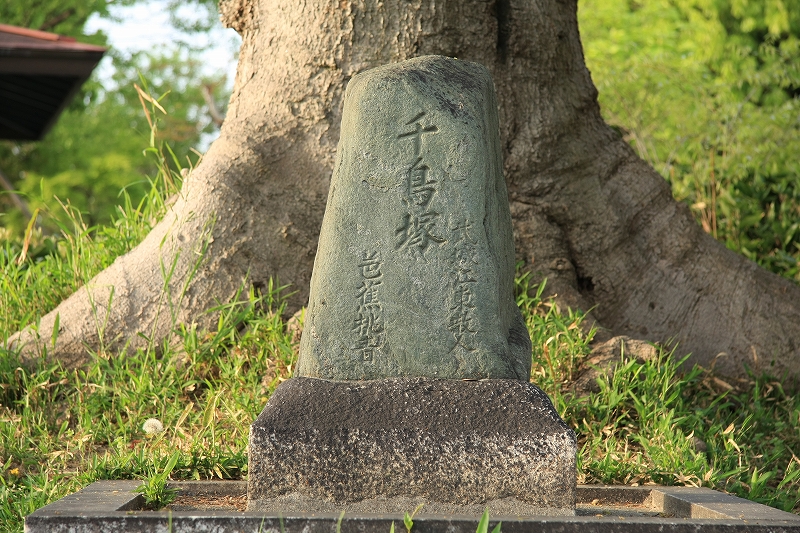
(415, 266)
(414, 363)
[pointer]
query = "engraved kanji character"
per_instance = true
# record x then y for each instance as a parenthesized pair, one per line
(420, 188)
(464, 275)
(370, 265)
(368, 291)
(368, 321)
(462, 325)
(461, 230)
(362, 345)
(416, 231)
(416, 133)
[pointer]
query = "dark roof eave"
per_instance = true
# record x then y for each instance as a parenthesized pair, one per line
(51, 63)
(55, 64)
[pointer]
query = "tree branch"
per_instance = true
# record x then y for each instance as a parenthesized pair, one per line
(58, 19)
(217, 117)
(15, 198)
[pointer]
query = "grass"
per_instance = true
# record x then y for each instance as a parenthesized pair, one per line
(645, 423)
(62, 429)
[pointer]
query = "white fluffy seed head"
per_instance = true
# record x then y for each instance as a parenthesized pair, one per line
(152, 426)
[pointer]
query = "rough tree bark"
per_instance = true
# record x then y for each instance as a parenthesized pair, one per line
(589, 215)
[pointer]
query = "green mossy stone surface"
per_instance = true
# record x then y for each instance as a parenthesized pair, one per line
(414, 270)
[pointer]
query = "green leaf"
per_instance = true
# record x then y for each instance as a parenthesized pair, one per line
(339, 522)
(409, 523)
(483, 525)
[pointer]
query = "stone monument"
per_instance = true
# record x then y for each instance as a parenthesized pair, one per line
(412, 381)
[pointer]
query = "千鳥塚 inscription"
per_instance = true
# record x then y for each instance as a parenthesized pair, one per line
(417, 229)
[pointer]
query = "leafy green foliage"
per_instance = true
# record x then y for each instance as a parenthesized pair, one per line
(60, 429)
(94, 150)
(65, 17)
(154, 488)
(204, 15)
(707, 92)
(559, 344)
(41, 270)
(93, 153)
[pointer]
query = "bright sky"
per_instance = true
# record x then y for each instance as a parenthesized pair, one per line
(146, 26)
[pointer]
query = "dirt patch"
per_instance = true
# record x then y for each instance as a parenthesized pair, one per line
(203, 503)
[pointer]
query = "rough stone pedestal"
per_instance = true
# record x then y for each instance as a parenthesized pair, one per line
(385, 446)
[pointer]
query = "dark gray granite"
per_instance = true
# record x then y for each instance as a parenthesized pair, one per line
(414, 273)
(454, 445)
(112, 507)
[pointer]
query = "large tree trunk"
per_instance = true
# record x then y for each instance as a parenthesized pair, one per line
(589, 215)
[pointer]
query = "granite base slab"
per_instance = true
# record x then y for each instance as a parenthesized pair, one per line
(388, 445)
(113, 507)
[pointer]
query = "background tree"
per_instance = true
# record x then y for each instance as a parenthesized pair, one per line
(65, 17)
(96, 148)
(706, 92)
(590, 215)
